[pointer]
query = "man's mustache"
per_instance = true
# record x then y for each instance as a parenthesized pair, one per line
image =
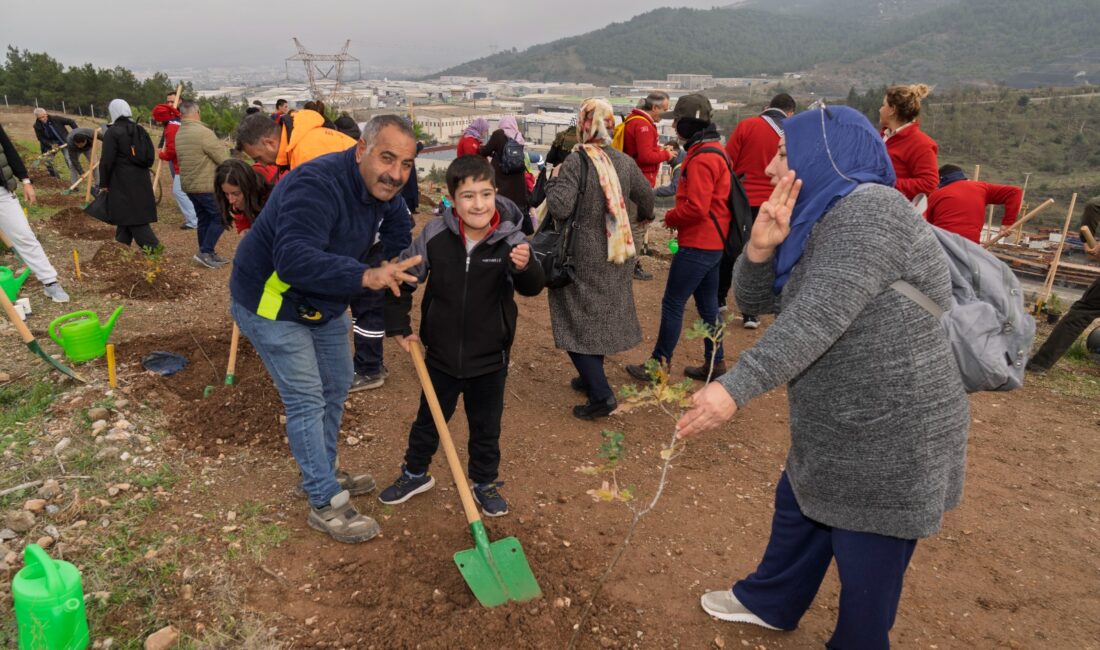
(390, 180)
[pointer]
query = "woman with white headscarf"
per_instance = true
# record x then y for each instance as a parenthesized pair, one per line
(128, 154)
(594, 316)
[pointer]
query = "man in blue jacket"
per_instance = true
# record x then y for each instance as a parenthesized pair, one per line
(293, 278)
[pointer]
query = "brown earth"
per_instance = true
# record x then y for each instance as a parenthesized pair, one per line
(1014, 566)
(74, 223)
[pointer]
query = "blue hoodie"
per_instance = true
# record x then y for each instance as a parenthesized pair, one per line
(300, 261)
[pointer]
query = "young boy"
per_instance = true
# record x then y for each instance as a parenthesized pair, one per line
(474, 258)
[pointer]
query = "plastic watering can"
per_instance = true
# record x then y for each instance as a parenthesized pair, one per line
(49, 603)
(81, 336)
(12, 284)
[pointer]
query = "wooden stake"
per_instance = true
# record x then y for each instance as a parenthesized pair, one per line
(977, 172)
(1048, 286)
(989, 225)
(76, 264)
(1023, 208)
(1019, 223)
(92, 162)
(175, 104)
(1087, 234)
(112, 378)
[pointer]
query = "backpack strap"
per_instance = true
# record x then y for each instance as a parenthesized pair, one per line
(917, 296)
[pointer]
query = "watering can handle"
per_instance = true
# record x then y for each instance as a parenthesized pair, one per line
(61, 319)
(35, 554)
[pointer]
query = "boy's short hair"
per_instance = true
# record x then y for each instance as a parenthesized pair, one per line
(471, 167)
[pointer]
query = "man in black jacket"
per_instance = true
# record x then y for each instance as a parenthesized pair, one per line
(474, 258)
(52, 132)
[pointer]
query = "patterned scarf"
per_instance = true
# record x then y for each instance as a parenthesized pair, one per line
(595, 123)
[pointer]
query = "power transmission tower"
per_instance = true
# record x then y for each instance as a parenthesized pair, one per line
(334, 72)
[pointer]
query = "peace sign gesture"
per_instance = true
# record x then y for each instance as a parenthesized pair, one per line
(773, 222)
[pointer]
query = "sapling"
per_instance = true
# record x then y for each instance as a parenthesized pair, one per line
(672, 399)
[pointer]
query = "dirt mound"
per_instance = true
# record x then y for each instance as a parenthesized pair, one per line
(126, 271)
(74, 223)
(42, 179)
(245, 414)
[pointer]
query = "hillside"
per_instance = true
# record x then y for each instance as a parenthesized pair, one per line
(874, 41)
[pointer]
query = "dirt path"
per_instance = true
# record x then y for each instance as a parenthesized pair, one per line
(1015, 566)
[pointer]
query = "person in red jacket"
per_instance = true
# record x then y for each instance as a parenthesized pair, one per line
(912, 152)
(473, 137)
(702, 217)
(169, 116)
(959, 204)
(751, 146)
(641, 142)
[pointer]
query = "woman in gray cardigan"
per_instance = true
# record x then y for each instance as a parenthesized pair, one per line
(877, 408)
(594, 315)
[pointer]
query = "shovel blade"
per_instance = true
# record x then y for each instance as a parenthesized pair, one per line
(498, 573)
(33, 346)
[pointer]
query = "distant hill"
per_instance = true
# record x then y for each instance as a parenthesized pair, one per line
(876, 41)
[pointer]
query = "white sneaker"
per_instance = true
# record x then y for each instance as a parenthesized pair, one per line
(724, 606)
(55, 293)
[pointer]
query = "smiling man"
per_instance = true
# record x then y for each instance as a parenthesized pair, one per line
(293, 278)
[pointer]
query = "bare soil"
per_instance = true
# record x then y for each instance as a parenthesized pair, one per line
(1014, 566)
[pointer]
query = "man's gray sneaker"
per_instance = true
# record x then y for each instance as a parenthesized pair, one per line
(219, 259)
(342, 521)
(55, 293)
(205, 260)
(724, 606)
(355, 484)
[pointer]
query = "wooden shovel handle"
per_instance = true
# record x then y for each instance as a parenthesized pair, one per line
(13, 316)
(1019, 223)
(464, 492)
(1087, 234)
(234, 340)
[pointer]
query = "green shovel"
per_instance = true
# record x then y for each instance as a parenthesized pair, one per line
(498, 571)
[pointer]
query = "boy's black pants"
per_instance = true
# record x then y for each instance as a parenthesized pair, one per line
(483, 398)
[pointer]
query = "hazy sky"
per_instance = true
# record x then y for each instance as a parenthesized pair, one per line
(433, 33)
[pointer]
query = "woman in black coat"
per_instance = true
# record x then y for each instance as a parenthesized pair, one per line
(124, 175)
(511, 186)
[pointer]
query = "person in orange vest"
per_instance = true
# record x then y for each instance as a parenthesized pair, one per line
(959, 204)
(641, 142)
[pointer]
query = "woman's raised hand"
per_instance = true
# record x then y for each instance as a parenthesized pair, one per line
(773, 222)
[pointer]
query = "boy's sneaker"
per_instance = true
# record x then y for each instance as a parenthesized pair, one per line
(640, 273)
(703, 372)
(406, 487)
(724, 606)
(488, 497)
(750, 322)
(369, 381)
(342, 521)
(54, 292)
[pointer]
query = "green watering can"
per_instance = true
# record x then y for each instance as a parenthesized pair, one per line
(49, 603)
(82, 337)
(12, 284)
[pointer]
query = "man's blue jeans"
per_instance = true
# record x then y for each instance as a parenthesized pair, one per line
(211, 226)
(694, 272)
(311, 368)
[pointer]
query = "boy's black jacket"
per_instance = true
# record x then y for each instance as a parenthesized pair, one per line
(468, 314)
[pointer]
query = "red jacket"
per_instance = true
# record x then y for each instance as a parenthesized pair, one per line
(914, 156)
(751, 146)
(168, 153)
(960, 206)
(704, 189)
(640, 142)
(468, 145)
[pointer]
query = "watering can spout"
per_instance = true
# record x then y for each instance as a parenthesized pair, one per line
(111, 323)
(22, 278)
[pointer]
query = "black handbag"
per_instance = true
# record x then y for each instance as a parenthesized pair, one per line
(98, 208)
(552, 244)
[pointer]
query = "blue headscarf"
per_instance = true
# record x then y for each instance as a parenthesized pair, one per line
(832, 150)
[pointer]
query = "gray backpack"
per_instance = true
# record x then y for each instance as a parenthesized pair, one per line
(988, 328)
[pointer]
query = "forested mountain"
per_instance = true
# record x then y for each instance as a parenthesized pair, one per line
(939, 41)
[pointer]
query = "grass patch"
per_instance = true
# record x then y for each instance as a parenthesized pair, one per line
(20, 404)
